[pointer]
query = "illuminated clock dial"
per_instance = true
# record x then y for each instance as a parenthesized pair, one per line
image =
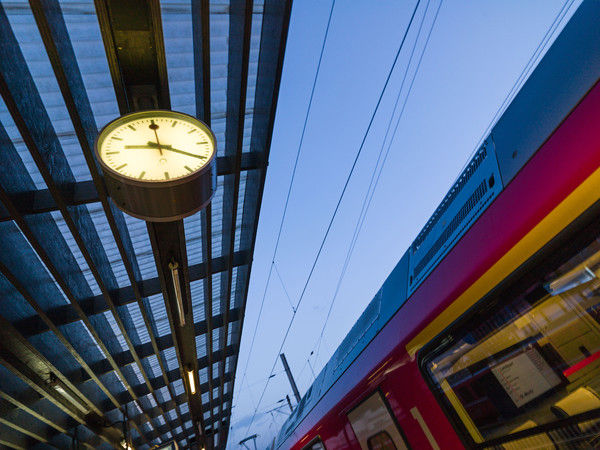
(158, 165)
(156, 146)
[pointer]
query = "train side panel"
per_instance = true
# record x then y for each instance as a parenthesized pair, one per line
(543, 197)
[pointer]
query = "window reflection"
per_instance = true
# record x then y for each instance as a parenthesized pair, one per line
(532, 360)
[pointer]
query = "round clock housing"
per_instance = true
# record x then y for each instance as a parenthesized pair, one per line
(158, 165)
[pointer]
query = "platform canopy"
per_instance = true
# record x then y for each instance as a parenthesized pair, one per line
(92, 353)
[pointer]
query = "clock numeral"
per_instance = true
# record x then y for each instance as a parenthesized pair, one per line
(190, 132)
(191, 170)
(132, 127)
(174, 123)
(116, 138)
(120, 167)
(200, 143)
(166, 175)
(142, 175)
(112, 153)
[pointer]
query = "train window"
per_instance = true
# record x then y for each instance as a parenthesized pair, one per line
(525, 372)
(374, 427)
(381, 441)
(316, 444)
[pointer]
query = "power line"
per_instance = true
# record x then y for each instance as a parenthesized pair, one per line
(521, 78)
(338, 204)
(289, 191)
(375, 176)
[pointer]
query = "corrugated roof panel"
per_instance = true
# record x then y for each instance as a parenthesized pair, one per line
(241, 277)
(82, 340)
(135, 314)
(217, 218)
(216, 299)
(25, 29)
(26, 262)
(240, 210)
(163, 395)
(219, 32)
(171, 358)
(229, 335)
(141, 246)
(115, 328)
(84, 31)
(178, 387)
(17, 141)
(203, 375)
(177, 29)
(252, 72)
(217, 336)
(108, 242)
(197, 290)
(201, 345)
(70, 240)
(154, 366)
(159, 314)
(193, 238)
(138, 374)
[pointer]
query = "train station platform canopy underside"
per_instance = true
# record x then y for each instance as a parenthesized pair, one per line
(91, 351)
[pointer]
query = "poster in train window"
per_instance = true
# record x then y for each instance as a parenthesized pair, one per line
(526, 376)
(374, 427)
(529, 358)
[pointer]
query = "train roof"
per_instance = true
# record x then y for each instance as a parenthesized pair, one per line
(568, 70)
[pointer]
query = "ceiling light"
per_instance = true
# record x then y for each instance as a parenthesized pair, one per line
(57, 385)
(177, 287)
(190, 373)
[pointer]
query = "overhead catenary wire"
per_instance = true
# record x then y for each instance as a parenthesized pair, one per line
(338, 204)
(523, 76)
(370, 192)
(379, 167)
(289, 191)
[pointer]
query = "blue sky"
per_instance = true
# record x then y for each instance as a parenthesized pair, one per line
(476, 52)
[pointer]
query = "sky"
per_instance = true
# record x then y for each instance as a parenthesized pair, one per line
(311, 254)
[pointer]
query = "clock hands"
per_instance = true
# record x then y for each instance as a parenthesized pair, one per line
(151, 144)
(154, 127)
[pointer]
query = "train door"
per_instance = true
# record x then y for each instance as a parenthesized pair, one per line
(374, 426)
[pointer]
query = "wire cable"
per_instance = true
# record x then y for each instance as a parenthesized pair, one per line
(376, 174)
(287, 200)
(337, 206)
(520, 79)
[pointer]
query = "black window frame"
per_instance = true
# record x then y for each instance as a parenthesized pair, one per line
(388, 408)
(565, 245)
(315, 440)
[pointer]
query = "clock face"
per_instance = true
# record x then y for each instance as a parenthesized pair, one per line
(156, 146)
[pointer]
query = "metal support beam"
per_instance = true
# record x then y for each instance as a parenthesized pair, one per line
(65, 314)
(290, 377)
(85, 192)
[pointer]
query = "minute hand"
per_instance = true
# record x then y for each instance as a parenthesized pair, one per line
(171, 149)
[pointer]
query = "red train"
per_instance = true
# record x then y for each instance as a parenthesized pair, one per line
(487, 332)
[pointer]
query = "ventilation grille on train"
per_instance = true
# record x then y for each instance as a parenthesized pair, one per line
(477, 186)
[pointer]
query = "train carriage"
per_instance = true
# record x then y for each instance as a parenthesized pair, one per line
(487, 332)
